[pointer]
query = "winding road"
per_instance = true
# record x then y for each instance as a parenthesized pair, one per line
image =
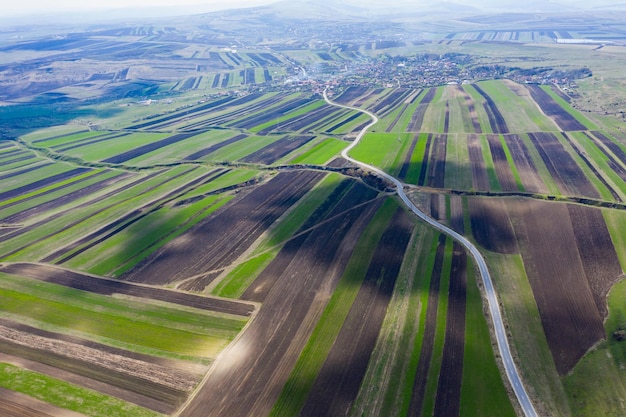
(494, 307)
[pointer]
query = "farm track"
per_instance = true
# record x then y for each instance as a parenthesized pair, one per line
(106, 286)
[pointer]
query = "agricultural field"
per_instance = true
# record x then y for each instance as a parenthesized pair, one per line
(180, 234)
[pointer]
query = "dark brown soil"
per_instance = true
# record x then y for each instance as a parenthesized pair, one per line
(428, 339)
(480, 179)
(417, 119)
(566, 173)
(407, 159)
(108, 287)
(496, 120)
(276, 150)
(491, 226)
(597, 252)
(551, 108)
(338, 382)
(501, 164)
(448, 399)
(571, 319)
(220, 239)
(249, 376)
(437, 164)
(531, 180)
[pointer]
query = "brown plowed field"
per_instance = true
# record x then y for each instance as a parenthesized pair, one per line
(596, 249)
(248, 377)
(448, 399)
(144, 378)
(338, 382)
(274, 151)
(480, 179)
(220, 239)
(356, 195)
(456, 214)
(612, 158)
(471, 108)
(418, 116)
(407, 159)
(501, 164)
(428, 339)
(566, 173)
(496, 120)
(531, 180)
(571, 319)
(437, 164)
(551, 108)
(109, 287)
(491, 226)
(424, 168)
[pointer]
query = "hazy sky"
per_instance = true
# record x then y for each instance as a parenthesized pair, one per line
(22, 7)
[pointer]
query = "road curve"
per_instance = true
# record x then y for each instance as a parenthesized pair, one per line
(494, 307)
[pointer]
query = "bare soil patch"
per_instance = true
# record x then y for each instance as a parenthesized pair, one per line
(571, 319)
(109, 287)
(597, 252)
(220, 239)
(276, 150)
(260, 361)
(491, 226)
(496, 120)
(428, 339)
(566, 173)
(339, 379)
(448, 399)
(551, 108)
(501, 164)
(437, 164)
(531, 180)
(480, 179)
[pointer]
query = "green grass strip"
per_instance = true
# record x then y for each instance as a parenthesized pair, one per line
(314, 354)
(440, 334)
(482, 390)
(494, 184)
(164, 329)
(68, 396)
(509, 159)
(321, 153)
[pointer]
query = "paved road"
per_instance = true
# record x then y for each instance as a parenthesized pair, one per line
(494, 307)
